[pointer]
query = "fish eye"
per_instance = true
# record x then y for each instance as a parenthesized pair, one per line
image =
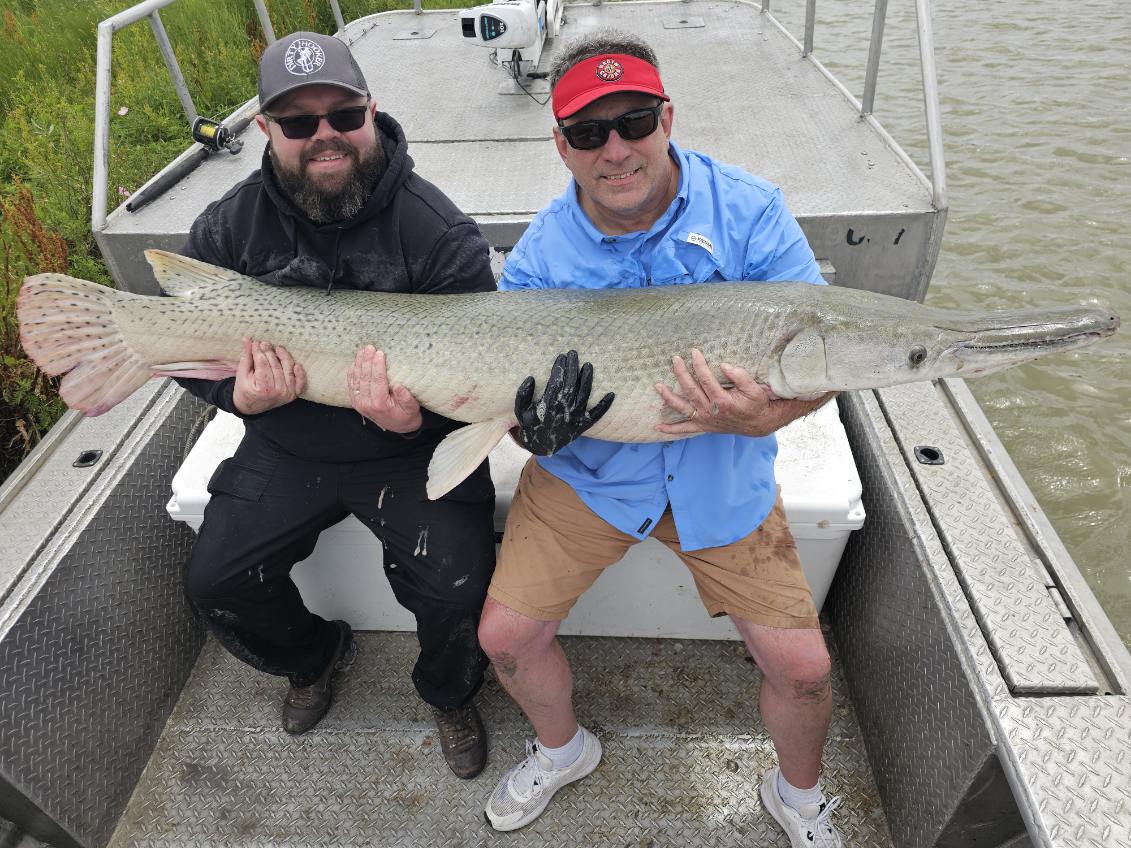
(917, 356)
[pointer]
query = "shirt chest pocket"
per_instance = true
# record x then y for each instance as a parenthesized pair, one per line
(688, 260)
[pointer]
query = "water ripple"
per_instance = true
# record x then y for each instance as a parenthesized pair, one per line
(1037, 123)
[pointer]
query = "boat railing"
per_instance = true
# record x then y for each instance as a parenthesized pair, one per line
(866, 101)
(150, 9)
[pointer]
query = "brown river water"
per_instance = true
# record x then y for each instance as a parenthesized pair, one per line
(1036, 114)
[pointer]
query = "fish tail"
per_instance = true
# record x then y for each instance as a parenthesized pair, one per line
(67, 327)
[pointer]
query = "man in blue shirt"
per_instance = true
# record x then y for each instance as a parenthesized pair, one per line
(640, 212)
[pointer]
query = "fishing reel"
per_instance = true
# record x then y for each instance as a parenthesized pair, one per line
(215, 136)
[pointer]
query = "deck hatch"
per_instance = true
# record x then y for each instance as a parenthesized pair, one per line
(1024, 627)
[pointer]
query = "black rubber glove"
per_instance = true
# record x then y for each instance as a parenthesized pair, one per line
(560, 416)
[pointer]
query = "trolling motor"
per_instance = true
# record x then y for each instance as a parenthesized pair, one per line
(514, 29)
(215, 136)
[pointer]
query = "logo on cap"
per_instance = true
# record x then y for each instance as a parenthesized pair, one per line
(304, 57)
(609, 70)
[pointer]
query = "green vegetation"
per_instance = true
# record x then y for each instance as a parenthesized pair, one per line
(47, 130)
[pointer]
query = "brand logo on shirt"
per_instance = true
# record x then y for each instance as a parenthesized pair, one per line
(610, 70)
(702, 241)
(304, 57)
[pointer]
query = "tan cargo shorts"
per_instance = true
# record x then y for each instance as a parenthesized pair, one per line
(555, 547)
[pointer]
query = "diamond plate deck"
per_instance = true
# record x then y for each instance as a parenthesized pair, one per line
(93, 655)
(1036, 652)
(1075, 756)
(898, 608)
(917, 694)
(684, 750)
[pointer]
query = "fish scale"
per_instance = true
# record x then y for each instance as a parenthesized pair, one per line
(464, 356)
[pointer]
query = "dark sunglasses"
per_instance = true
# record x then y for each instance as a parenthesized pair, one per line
(631, 126)
(304, 126)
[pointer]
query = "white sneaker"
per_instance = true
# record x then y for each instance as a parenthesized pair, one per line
(526, 789)
(812, 827)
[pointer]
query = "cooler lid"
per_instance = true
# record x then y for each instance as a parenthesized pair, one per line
(217, 442)
(817, 473)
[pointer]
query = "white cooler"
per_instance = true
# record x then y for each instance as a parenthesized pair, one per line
(648, 593)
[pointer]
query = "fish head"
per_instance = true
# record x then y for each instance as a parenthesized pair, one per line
(875, 348)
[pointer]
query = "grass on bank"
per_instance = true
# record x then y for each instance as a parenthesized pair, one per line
(47, 88)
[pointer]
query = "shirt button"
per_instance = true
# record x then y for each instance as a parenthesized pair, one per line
(671, 477)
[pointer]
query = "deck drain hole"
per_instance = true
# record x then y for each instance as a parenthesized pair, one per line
(87, 458)
(929, 455)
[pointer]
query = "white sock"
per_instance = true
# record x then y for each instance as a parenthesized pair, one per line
(797, 798)
(566, 755)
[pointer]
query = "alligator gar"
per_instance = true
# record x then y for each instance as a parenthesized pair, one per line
(464, 356)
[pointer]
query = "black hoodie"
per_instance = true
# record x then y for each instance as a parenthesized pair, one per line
(409, 237)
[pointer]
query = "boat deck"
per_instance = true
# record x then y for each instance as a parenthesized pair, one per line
(741, 91)
(684, 752)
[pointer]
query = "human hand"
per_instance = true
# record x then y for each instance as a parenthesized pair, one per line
(390, 408)
(747, 407)
(266, 377)
(560, 415)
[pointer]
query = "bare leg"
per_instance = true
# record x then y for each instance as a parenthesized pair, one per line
(532, 667)
(796, 699)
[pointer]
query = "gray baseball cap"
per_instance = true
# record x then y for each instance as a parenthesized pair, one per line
(307, 58)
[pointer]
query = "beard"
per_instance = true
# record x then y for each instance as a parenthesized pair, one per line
(324, 204)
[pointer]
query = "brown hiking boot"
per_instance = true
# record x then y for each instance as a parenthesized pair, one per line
(462, 739)
(304, 706)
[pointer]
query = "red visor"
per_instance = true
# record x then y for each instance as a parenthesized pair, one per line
(594, 78)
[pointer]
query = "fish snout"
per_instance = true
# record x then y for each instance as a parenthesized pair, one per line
(1023, 338)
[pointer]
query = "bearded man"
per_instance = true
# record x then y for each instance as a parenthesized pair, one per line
(336, 205)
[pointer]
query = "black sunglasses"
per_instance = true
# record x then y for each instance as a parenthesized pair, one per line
(304, 126)
(631, 126)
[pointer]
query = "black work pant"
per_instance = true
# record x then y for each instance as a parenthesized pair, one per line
(265, 514)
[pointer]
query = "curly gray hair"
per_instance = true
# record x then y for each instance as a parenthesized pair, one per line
(597, 43)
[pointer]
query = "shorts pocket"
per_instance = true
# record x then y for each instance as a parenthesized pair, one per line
(240, 481)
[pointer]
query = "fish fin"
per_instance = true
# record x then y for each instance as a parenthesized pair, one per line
(210, 369)
(67, 327)
(182, 277)
(460, 453)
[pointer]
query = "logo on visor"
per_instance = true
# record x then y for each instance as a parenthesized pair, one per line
(610, 70)
(304, 57)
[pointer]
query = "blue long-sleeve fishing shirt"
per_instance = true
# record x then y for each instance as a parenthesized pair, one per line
(723, 224)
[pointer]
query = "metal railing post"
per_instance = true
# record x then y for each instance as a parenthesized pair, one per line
(265, 21)
(338, 15)
(174, 68)
(765, 5)
(871, 73)
(418, 7)
(102, 78)
(101, 172)
(810, 24)
(931, 104)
